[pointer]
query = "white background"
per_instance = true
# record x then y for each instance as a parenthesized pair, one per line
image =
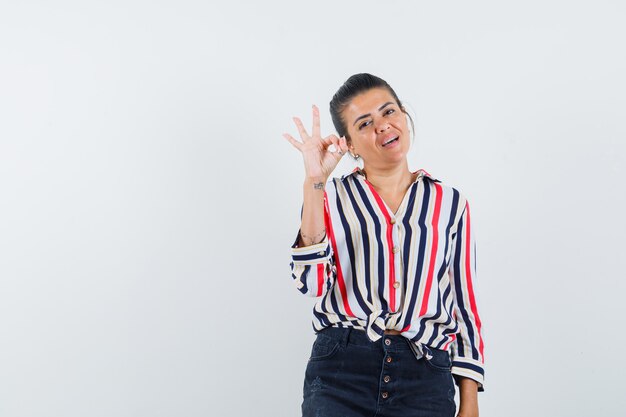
(148, 200)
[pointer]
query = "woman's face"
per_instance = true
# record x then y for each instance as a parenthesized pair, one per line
(373, 119)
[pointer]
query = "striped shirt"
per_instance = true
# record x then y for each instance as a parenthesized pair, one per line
(412, 271)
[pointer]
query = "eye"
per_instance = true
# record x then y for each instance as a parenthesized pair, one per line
(362, 125)
(389, 111)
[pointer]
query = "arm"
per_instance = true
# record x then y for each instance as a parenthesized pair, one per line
(312, 260)
(319, 163)
(312, 265)
(312, 229)
(467, 348)
(468, 394)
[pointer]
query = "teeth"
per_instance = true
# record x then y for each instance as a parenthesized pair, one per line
(389, 141)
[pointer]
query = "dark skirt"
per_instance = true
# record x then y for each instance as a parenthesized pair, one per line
(348, 375)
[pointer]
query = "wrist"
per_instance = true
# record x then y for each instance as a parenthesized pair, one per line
(315, 182)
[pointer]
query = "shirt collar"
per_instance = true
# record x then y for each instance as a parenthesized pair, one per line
(357, 172)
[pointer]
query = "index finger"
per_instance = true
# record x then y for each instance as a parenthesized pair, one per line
(316, 122)
(301, 128)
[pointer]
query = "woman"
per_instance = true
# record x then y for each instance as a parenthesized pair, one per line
(390, 253)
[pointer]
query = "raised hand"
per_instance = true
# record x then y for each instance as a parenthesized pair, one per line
(319, 161)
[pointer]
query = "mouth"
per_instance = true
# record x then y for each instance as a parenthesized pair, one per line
(390, 141)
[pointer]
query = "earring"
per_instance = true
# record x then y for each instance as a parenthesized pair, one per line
(354, 155)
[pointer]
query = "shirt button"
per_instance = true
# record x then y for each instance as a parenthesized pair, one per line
(396, 284)
(387, 342)
(321, 253)
(386, 378)
(385, 394)
(396, 249)
(392, 221)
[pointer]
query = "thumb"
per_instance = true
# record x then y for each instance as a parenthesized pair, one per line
(336, 142)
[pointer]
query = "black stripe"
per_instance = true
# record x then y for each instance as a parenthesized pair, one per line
(384, 305)
(468, 366)
(305, 288)
(421, 222)
(442, 271)
(364, 240)
(321, 318)
(312, 256)
(457, 287)
(408, 235)
(351, 254)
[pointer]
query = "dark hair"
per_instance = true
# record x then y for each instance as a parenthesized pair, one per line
(355, 85)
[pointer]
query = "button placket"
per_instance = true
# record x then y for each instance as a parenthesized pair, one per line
(397, 260)
(385, 391)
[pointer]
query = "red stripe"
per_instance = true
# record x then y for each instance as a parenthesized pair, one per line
(320, 278)
(470, 287)
(392, 273)
(340, 281)
(433, 250)
(452, 337)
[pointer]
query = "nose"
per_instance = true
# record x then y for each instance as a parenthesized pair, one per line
(382, 126)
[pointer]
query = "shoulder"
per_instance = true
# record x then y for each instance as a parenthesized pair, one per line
(456, 199)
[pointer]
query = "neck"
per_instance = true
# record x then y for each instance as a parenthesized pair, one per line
(396, 178)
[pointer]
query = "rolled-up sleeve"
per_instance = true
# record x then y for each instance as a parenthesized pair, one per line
(312, 267)
(467, 348)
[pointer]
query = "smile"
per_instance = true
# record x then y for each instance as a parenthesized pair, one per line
(390, 141)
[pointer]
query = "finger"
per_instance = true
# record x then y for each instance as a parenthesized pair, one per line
(331, 140)
(301, 129)
(326, 141)
(293, 141)
(341, 144)
(335, 141)
(316, 122)
(344, 144)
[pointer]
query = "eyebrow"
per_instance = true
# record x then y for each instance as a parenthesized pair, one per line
(369, 114)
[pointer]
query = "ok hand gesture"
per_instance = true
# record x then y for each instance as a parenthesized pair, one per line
(319, 161)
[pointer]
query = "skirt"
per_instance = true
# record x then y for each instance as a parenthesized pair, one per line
(348, 375)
